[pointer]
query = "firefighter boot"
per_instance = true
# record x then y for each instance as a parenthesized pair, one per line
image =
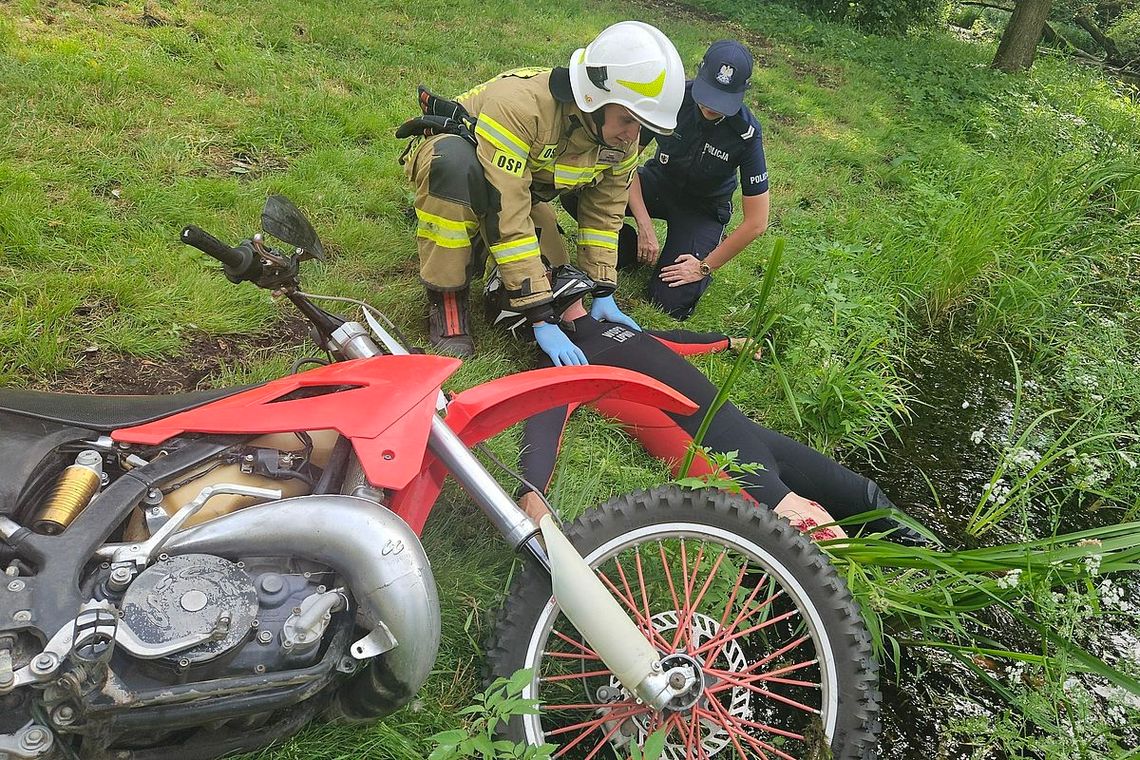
(447, 323)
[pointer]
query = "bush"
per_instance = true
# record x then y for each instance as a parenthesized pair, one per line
(1126, 33)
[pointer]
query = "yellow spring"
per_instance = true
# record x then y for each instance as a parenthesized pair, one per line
(77, 484)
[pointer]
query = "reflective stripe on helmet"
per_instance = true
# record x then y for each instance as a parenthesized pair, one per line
(515, 250)
(634, 65)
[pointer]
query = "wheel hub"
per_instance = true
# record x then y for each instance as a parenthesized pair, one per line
(714, 738)
(685, 670)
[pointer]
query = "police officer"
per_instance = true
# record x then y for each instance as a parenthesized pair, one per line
(511, 145)
(690, 182)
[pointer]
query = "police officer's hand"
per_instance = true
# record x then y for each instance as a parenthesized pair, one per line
(557, 346)
(605, 309)
(684, 270)
(648, 249)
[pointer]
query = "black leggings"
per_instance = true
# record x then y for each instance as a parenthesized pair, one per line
(788, 465)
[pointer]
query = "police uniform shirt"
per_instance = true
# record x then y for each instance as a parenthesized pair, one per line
(701, 157)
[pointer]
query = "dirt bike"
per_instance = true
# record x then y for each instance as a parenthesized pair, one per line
(192, 575)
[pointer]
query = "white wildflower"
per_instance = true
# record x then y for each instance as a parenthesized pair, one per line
(1026, 459)
(1010, 579)
(977, 435)
(965, 404)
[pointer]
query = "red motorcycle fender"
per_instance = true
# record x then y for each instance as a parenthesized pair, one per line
(486, 410)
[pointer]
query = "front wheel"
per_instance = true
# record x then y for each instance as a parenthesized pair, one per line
(781, 655)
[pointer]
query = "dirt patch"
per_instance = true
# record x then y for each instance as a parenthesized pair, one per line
(202, 357)
(675, 10)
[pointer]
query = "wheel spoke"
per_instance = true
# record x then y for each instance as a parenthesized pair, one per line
(641, 582)
(573, 676)
(645, 624)
(684, 625)
(571, 656)
(731, 680)
(758, 627)
(588, 727)
(734, 726)
(588, 706)
(732, 596)
(668, 575)
(746, 611)
(750, 671)
(575, 644)
(755, 724)
(685, 616)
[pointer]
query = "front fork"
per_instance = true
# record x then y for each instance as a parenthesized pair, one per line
(587, 603)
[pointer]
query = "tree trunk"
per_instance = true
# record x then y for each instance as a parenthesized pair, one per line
(1018, 45)
(1106, 43)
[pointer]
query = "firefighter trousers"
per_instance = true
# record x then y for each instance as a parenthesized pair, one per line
(457, 212)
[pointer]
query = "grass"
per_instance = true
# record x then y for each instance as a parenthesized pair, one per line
(917, 190)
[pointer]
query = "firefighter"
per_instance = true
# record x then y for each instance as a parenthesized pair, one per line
(489, 164)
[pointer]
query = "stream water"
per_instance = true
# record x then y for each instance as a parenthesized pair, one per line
(965, 401)
(959, 391)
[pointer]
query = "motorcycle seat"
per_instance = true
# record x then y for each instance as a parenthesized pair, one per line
(105, 413)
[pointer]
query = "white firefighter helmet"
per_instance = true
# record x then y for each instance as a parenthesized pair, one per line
(634, 65)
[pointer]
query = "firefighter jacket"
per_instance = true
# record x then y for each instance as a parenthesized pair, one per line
(534, 143)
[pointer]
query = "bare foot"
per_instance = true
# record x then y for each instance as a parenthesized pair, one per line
(534, 507)
(739, 344)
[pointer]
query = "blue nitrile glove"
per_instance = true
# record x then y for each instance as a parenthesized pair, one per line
(557, 346)
(604, 309)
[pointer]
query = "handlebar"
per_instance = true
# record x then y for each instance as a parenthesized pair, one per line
(240, 263)
(211, 246)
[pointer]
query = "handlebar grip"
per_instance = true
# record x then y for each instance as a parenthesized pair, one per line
(210, 245)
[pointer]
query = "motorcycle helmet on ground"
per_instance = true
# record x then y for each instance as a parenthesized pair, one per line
(633, 65)
(567, 285)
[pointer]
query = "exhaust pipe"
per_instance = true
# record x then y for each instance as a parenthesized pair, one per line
(378, 555)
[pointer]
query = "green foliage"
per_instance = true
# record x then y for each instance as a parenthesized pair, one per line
(1125, 32)
(653, 749)
(490, 709)
(917, 191)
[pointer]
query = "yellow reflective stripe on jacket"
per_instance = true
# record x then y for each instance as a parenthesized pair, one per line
(515, 250)
(447, 233)
(572, 176)
(501, 137)
(598, 238)
(627, 164)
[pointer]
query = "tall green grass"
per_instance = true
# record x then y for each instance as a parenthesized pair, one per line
(916, 189)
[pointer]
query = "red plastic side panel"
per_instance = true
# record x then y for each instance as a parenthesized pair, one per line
(658, 433)
(387, 415)
(486, 410)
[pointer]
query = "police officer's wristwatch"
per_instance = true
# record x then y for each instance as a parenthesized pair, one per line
(704, 269)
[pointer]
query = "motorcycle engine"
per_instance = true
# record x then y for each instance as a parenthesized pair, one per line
(243, 614)
(179, 599)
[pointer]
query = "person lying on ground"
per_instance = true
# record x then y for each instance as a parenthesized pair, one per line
(795, 479)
